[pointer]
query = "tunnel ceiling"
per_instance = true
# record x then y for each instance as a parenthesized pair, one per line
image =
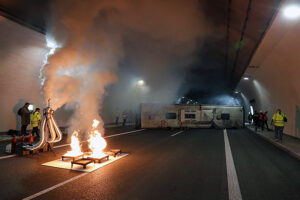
(222, 59)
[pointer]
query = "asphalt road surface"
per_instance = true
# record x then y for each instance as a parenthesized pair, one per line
(163, 164)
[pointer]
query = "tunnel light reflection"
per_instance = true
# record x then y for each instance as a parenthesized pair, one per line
(51, 45)
(292, 11)
(251, 110)
(141, 82)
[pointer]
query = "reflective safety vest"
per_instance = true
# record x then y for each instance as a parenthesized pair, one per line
(278, 119)
(35, 119)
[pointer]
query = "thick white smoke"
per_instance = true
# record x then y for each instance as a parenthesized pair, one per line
(153, 38)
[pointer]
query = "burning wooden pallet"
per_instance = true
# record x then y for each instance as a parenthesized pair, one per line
(72, 157)
(113, 152)
(99, 159)
(83, 161)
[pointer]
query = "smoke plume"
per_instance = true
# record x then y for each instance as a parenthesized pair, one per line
(101, 40)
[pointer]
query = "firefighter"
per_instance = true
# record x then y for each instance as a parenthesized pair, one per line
(35, 122)
(278, 121)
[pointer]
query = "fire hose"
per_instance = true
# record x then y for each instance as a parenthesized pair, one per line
(48, 128)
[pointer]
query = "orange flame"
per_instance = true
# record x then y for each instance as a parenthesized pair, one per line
(96, 142)
(75, 146)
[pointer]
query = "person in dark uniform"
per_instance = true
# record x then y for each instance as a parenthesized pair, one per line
(255, 119)
(266, 120)
(261, 120)
(25, 118)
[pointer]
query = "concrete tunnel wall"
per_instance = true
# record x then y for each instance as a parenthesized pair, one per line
(274, 73)
(21, 56)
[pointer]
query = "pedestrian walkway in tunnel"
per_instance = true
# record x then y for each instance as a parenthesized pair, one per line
(289, 144)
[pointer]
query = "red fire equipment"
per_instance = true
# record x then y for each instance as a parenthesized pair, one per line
(31, 138)
(23, 139)
(13, 144)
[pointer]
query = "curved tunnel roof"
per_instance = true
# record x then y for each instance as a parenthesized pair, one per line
(241, 24)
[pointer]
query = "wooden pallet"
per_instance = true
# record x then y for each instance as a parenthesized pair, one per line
(98, 160)
(72, 157)
(113, 152)
(83, 161)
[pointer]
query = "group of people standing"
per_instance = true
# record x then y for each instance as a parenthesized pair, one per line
(260, 120)
(28, 117)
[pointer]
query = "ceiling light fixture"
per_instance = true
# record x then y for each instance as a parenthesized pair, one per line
(292, 11)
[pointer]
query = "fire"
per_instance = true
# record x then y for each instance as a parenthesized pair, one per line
(96, 142)
(75, 146)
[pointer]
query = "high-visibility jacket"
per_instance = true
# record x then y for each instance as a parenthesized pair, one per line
(35, 119)
(278, 119)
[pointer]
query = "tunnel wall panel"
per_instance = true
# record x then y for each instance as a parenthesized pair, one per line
(21, 56)
(275, 73)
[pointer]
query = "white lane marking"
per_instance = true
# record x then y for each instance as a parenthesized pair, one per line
(234, 191)
(65, 182)
(176, 133)
(124, 133)
(63, 145)
(54, 187)
(9, 156)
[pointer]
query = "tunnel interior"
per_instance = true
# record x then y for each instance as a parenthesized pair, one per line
(256, 41)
